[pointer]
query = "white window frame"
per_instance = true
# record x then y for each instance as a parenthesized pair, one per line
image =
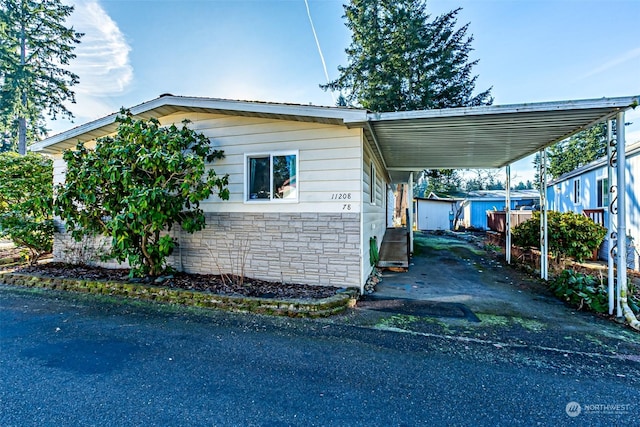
(372, 183)
(271, 155)
(576, 191)
(602, 184)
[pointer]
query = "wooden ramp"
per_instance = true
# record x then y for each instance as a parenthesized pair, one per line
(394, 252)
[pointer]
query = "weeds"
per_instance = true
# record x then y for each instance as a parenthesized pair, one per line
(237, 261)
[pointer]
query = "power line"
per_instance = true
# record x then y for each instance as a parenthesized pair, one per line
(315, 36)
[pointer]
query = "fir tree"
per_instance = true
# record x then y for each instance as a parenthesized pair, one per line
(579, 150)
(34, 47)
(401, 60)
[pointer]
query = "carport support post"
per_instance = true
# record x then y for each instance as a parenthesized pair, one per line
(507, 220)
(410, 206)
(622, 207)
(544, 241)
(611, 224)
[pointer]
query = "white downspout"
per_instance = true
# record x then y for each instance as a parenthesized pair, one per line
(622, 226)
(507, 220)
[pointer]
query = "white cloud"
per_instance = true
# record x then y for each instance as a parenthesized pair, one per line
(102, 61)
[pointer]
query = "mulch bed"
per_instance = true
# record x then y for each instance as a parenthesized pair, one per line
(227, 285)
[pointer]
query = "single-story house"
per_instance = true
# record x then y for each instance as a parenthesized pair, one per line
(343, 162)
(435, 213)
(477, 203)
(586, 190)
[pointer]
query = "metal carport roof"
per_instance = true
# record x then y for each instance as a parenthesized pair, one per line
(481, 137)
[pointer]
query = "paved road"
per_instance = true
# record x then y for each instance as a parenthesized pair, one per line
(80, 361)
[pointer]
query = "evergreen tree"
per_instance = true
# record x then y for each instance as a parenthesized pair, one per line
(441, 181)
(579, 150)
(537, 164)
(401, 60)
(34, 47)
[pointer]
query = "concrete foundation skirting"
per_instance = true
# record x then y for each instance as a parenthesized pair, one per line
(291, 308)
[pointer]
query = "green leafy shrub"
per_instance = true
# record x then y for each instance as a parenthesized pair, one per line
(136, 185)
(26, 202)
(569, 234)
(581, 290)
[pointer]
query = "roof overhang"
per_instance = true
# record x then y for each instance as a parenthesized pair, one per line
(405, 142)
(169, 104)
(481, 137)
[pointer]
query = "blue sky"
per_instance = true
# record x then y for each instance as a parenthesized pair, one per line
(529, 51)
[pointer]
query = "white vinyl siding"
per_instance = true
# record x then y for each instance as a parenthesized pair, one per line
(328, 160)
(374, 206)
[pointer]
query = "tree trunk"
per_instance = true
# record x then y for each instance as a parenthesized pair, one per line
(22, 136)
(22, 121)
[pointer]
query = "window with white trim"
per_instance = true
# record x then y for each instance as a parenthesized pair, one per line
(603, 192)
(576, 191)
(372, 184)
(271, 177)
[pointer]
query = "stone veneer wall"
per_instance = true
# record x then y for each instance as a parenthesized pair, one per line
(87, 251)
(309, 248)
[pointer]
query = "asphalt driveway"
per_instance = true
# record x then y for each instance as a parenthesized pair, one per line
(453, 287)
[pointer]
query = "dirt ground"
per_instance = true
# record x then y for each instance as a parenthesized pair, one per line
(216, 284)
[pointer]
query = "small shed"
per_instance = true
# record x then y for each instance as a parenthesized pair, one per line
(434, 213)
(477, 203)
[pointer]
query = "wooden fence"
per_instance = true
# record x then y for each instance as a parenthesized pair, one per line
(496, 219)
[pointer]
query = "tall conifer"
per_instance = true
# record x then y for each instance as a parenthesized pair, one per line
(399, 59)
(34, 49)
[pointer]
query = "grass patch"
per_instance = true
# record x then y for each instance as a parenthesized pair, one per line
(406, 322)
(492, 320)
(530, 324)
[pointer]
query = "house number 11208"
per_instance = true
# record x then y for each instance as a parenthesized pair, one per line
(341, 196)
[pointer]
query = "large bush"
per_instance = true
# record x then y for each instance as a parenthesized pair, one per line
(569, 234)
(26, 202)
(134, 186)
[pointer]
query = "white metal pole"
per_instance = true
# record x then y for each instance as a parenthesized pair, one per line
(544, 241)
(611, 234)
(410, 206)
(507, 221)
(622, 207)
